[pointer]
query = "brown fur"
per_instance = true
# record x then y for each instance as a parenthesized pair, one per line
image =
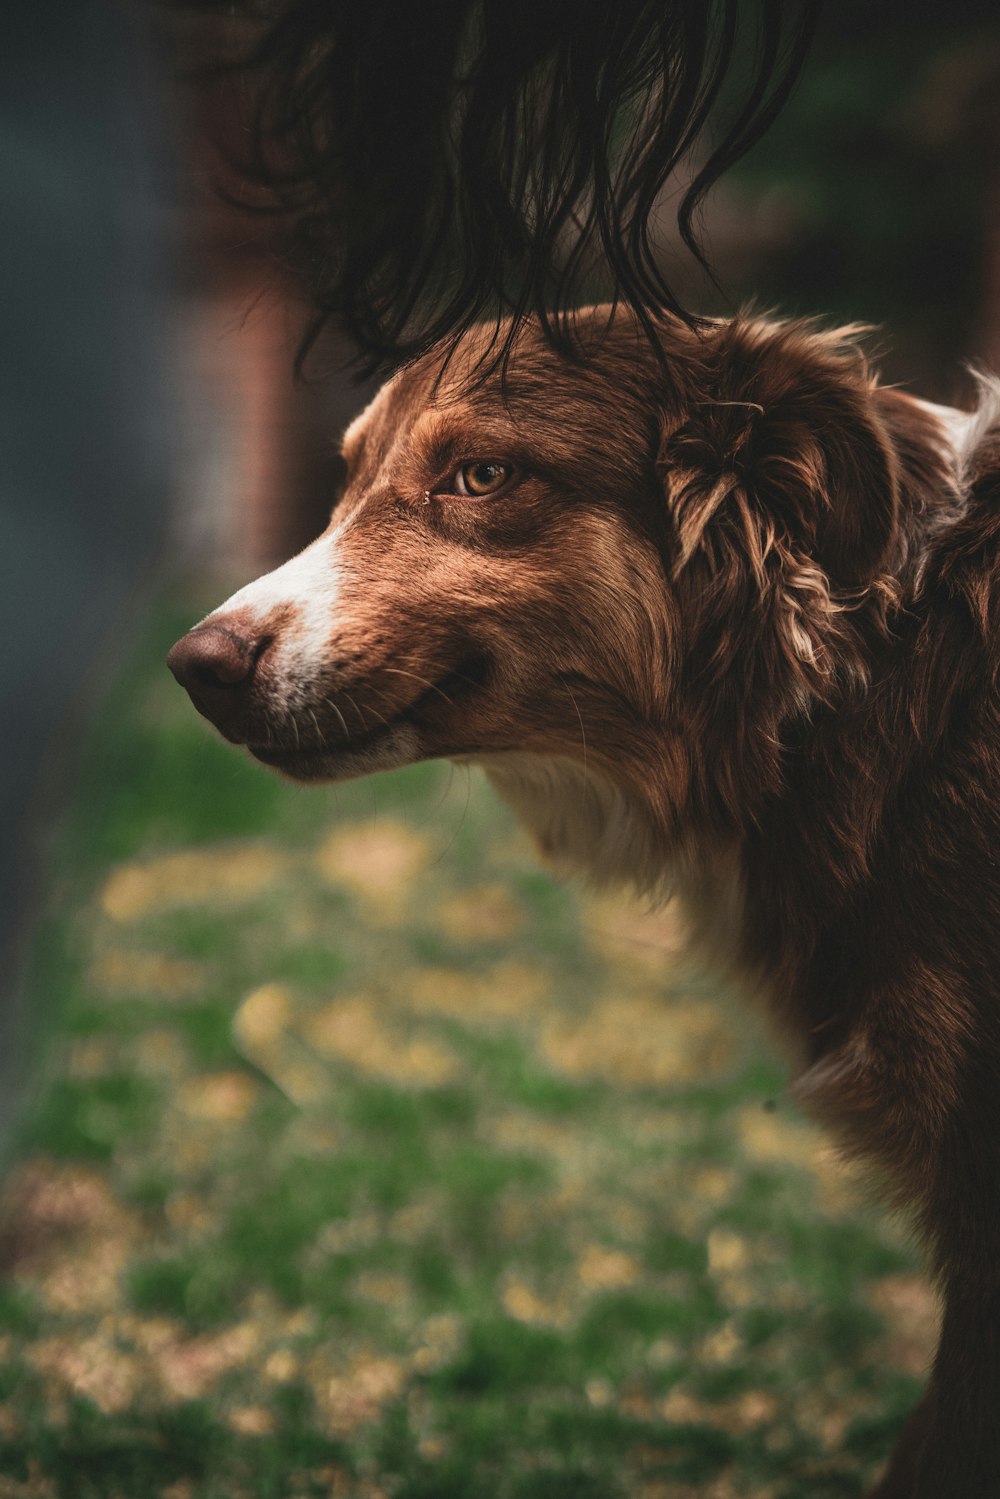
(735, 632)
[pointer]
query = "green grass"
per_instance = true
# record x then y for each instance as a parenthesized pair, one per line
(365, 1160)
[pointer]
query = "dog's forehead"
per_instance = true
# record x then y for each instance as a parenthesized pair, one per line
(388, 416)
(417, 408)
(462, 395)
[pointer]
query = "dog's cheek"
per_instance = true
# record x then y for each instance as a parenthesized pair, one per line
(617, 612)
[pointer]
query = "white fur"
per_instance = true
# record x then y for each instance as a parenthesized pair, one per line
(582, 822)
(966, 430)
(954, 422)
(984, 419)
(587, 826)
(310, 585)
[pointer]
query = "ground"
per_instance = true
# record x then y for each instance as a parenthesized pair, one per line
(367, 1160)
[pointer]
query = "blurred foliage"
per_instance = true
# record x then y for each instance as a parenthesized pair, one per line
(870, 198)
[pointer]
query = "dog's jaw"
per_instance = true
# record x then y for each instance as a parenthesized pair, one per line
(384, 749)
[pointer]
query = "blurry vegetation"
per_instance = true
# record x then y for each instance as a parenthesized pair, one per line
(874, 196)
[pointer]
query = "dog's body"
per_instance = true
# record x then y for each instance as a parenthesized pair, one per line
(725, 621)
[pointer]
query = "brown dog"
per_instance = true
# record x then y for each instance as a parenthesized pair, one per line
(725, 621)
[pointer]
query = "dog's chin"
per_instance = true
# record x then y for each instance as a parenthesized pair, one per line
(382, 749)
(432, 726)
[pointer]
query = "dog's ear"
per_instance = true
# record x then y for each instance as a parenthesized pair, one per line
(781, 480)
(783, 416)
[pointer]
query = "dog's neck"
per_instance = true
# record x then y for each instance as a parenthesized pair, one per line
(584, 823)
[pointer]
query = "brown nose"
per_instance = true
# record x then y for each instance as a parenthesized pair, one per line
(216, 665)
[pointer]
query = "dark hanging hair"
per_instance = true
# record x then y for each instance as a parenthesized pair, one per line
(451, 161)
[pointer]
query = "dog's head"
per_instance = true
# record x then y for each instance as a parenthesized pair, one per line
(611, 569)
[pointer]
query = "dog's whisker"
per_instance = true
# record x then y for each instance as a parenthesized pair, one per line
(359, 714)
(320, 736)
(423, 681)
(384, 698)
(465, 812)
(583, 732)
(340, 717)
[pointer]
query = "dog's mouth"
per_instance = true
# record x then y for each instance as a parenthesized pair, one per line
(317, 751)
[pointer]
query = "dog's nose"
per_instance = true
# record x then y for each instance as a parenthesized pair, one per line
(216, 665)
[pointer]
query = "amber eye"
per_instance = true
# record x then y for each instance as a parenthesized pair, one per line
(482, 478)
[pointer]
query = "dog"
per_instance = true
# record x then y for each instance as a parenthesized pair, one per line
(719, 614)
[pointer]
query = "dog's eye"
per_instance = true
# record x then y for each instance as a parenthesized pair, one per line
(482, 478)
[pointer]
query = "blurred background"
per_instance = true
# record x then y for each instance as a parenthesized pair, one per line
(345, 1152)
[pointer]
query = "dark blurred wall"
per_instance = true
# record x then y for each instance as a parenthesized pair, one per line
(84, 479)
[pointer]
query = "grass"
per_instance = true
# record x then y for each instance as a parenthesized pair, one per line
(368, 1161)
